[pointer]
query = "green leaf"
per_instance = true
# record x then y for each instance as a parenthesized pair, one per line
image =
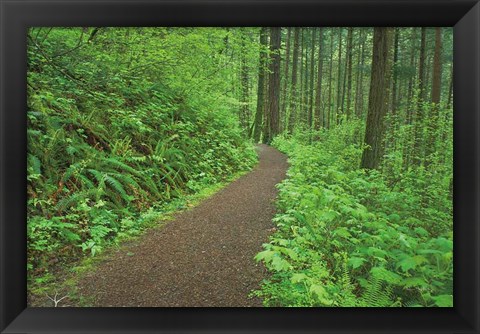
(407, 264)
(421, 231)
(374, 251)
(265, 255)
(280, 264)
(356, 262)
(342, 232)
(419, 259)
(394, 218)
(298, 277)
(443, 300)
(321, 293)
(386, 275)
(411, 282)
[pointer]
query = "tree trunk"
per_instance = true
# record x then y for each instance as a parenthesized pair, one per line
(421, 66)
(339, 77)
(378, 98)
(330, 107)
(274, 84)
(312, 79)
(362, 79)
(412, 78)
(359, 84)
(428, 77)
(319, 111)
(450, 89)
(261, 85)
(293, 91)
(418, 133)
(395, 72)
(390, 142)
(410, 106)
(244, 110)
(285, 79)
(437, 67)
(300, 111)
(448, 106)
(349, 70)
(436, 89)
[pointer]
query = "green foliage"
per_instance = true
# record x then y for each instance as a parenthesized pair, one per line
(350, 237)
(122, 122)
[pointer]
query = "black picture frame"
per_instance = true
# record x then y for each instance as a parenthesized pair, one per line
(17, 15)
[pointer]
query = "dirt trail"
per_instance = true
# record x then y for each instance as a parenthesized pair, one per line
(204, 257)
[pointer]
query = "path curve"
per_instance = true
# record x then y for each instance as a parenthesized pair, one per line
(204, 257)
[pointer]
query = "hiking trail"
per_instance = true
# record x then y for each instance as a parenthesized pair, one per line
(204, 256)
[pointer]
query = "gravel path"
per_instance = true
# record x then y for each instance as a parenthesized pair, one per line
(204, 257)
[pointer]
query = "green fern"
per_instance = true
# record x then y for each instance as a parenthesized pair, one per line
(74, 169)
(34, 164)
(347, 296)
(99, 176)
(86, 182)
(377, 293)
(112, 163)
(115, 184)
(151, 186)
(75, 199)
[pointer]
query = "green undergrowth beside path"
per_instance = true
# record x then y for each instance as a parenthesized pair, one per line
(110, 148)
(64, 280)
(351, 237)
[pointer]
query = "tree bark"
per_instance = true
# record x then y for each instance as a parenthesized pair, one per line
(319, 111)
(436, 90)
(418, 131)
(437, 68)
(293, 91)
(349, 71)
(300, 111)
(339, 77)
(244, 110)
(395, 72)
(450, 89)
(285, 80)
(412, 77)
(378, 98)
(359, 84)
(274, 84)
(330, 107)
(312, 79)
(261, 85)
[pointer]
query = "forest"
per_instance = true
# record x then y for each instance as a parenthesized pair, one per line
(128, 126)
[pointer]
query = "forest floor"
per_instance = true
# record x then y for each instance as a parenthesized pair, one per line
(203, 257)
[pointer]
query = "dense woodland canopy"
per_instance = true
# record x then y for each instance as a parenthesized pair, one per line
(124, 124)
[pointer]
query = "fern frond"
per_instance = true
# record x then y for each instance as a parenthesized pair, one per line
(378, 293)
(151, 186)
(347, 296)
(115, 184)
(120, 166)
(86, 182)
(75, 199)
(130, 182)
(34, 163)
(99, 176)
(126, 180)
(71, 170)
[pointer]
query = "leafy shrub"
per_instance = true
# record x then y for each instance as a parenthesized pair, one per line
(110, 147)
(347, 237)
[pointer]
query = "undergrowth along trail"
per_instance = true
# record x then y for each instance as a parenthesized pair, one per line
(204, 257)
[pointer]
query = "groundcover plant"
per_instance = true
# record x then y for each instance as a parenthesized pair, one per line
(240, 166)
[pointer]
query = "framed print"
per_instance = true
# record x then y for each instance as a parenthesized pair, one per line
(239, 166)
